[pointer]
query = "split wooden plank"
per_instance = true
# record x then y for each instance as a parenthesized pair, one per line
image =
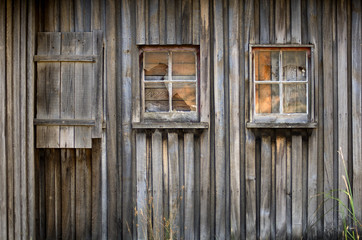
(186, 21)
(3, 157)
(343, 122)
(189, 166)
(171, 22)
(96, 188)
(154, 30)
(281, 187)
(141, 186)
(196, 22)
(297, 186)
(357, 108)
(234, 97)
(83, 90)
(157, 182)
(126, 115)
(296, 21)
(265, 188)
(68, 162)
(67, 92)
(328, 112)
(289, 187)
(140, 22)
(83, 193)
(174, 181)
(205, 181)
(219, 95)
(48, 88)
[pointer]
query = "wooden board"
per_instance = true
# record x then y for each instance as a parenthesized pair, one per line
(297, 186)
(141, 187)
(157, 183)
(281, 191)
(189, 178)
(154, 31)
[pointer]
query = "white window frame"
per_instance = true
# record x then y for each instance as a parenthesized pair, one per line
(176, 116)
(282, 120)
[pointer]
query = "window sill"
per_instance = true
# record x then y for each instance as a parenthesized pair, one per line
(281, 125)
(170, 125)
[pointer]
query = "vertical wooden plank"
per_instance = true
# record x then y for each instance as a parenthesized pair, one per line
(68, 161)
(174, 188)
(48, 87)
(140, 22)
(165, 178)
(264, 21)
(96, 15)
(280, 21)
(83, 90)
(342, 103)
(78, 15)
(154, 31)
(49, 170)
(357, 108)
(297, 186)
(3, 157)
(189, 186)
(162, 21)
(97, 86)
(40, 164)
(51, 14)
(289, 188)
(265, 188)
(110, 74)
(186, 21)
(219, 95)
(281, 186)
(127, 213)
(196, 22)
(178, 21)
(141, 186)
(157, 181)
(171, 22)
(96, 189)
(83, 193)
(234, 97)
(205, 199)
(329, 111)
(66, 16)
(182, 185)
(197, 186)
(32, 213)
(296, 21)
(67, 92)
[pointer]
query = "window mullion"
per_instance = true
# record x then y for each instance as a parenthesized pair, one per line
(281, 110)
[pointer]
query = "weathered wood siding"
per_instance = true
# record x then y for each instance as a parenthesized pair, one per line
(234, 182)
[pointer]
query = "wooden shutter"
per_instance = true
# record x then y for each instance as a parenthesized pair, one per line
(69, 89)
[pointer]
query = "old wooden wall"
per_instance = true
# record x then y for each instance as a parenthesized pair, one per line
(240, 183)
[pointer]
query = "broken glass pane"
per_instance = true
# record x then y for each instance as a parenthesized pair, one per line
(156, 65)
(184, 97)
(294, 66)
(183, 66)
(156, 97)
(267, 98)
(295, 99)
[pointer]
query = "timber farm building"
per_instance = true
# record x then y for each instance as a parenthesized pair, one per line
(182, 119)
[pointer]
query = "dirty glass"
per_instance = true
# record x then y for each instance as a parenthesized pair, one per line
(295, 98)
(267, 66)
(156, 65)
(294, 66)
(267, 98)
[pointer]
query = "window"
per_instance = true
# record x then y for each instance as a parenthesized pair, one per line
(170, 83)
(282, 85)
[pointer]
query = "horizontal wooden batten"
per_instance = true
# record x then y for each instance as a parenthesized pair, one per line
(171, 125)
(281, 125)
(64, 122)
(65, 58)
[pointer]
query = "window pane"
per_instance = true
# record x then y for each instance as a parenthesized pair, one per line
(183, 66)
(266, 66)
(295, 100)
(156, 97)
(294, 66)
(156, 65)
(267, 98)
(184, 97)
